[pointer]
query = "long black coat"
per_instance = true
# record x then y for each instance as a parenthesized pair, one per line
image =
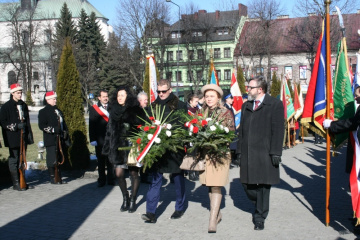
(171, 161)
(122, 121)
(97, 126)
(48, 120)
(347, 125)
(9, 118)
(261, 134)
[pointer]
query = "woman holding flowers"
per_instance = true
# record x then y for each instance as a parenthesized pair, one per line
(124, 109)
(216, 174)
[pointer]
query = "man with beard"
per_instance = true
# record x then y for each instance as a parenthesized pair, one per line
(259, 147)
(14, 118)
(98, 120)
(170, 162)
(55, 133)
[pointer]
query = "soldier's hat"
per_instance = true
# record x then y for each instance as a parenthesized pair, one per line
(15, 87)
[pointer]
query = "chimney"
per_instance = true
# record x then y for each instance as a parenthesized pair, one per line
(358, 11)
(183, 16)
(217, 14)
(196, 15)
(312, 14)
(202, 11)
(282, 16)
(334, 13)
(242, 10)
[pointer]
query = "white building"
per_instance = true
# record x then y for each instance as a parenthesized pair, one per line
(45, 15)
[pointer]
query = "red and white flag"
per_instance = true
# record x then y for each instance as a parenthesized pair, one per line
(238, 101)
(354, 179)
(152, 79)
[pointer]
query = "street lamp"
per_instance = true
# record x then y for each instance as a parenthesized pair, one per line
(178, 51)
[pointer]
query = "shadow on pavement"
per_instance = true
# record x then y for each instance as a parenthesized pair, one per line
(313, 188)
(51, 220)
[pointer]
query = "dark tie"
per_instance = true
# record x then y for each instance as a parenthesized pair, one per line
(257, 102)
(105, 107)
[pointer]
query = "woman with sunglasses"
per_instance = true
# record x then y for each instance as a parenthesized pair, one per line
(124, 109)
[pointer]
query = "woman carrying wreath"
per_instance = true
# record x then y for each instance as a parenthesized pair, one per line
(124, 109)
(216, 174)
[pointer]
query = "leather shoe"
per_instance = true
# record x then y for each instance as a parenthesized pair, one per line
(177, 214)
(101, 184)
(149, 217)
(259, 226)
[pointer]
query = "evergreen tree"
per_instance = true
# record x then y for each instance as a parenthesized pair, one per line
(275, 86)
(65, 26)
(29, 101)
(241, 80)
(114, 67)
(70, 103)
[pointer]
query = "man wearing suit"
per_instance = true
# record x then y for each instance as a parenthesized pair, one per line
(259, 149)
(98, 120)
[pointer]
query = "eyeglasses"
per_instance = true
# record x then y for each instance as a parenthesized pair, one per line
(163, 91)
(251, 88)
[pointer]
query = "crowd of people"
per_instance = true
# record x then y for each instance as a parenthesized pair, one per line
(257, 149)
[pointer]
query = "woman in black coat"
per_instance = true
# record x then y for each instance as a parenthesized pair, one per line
(124, 109)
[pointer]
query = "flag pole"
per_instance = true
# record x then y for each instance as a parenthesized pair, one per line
(328, 62)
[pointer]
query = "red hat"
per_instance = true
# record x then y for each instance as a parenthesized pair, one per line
(15, 87)
(50, 95)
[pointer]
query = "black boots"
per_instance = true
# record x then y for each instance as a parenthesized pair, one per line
(132, 207)
(125, 205)
(16, 182)
(55, 177)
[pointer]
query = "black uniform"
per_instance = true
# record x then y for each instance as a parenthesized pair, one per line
(97, 131)
(52, 123)
(10, 120)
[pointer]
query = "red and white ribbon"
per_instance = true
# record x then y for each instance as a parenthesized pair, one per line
(354, 174)
(149, 144)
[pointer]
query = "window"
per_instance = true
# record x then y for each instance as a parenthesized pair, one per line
(191, 54)
(200, 54)
(190, 76)
(169, 75)
(196, 34)
(199, 75)
(218, 73)
(25, 37)
(217, 53)
(178, 76)
(36, 75)
(170, 56)
(222, 32)
(179, 55)
(175, 35)
(227, 74)
(227, 53)
(48, 35)
(11, 78)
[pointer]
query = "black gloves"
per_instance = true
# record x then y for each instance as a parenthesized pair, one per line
(276, 160)
(21, 125)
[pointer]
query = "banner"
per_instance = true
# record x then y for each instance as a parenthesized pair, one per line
(152, 79)
(238, 101)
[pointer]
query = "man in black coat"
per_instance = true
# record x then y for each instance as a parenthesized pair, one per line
(98, 120)
(14, 118)
(170, 162)
(259, 149)
(55, 133)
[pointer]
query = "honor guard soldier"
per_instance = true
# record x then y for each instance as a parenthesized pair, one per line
(98, 120)
(16, 128)
(55, 133)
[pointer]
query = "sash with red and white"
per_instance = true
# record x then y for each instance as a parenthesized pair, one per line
(102, 112)
(354, 176)
(149, 144)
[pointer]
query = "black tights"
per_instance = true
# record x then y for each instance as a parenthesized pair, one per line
(134, 177)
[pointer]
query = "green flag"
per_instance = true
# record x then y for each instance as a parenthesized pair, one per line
(289, 102)
(344, 106)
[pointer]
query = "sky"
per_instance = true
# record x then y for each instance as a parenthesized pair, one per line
(108, 7)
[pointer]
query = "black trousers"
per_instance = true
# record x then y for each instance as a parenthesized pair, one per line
(14, 154)
(51, 157)
(102, 161)
(259, 194)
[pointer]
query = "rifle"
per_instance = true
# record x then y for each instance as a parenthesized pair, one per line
(59, 151)
(22, 160)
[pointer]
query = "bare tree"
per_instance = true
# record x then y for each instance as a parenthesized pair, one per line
(304, 8)
(24, 31)
(262, 38)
